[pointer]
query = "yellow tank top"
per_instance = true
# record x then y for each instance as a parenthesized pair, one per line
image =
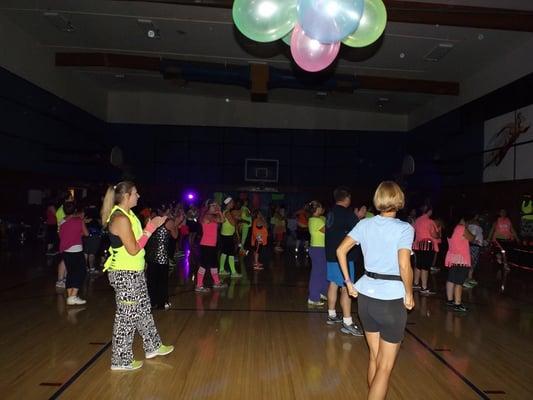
(227, 228)
(119, 258)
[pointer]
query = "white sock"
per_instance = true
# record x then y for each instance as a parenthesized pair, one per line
(347, 321)
(332, 313)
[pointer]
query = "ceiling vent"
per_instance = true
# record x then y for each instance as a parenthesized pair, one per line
(60, 21)
(438, 52)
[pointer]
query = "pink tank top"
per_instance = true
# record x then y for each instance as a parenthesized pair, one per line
(503, 229)
(458, 249)
(423, 228)
(70, 233)
(209, 234)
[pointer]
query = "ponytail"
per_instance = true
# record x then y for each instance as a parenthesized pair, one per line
(107, 205)
(114, 195)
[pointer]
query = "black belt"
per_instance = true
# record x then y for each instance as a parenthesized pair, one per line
(384, 277)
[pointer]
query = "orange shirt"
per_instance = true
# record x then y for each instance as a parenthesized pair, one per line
(259, 234)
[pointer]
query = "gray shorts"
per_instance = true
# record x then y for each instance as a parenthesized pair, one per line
(388, 317)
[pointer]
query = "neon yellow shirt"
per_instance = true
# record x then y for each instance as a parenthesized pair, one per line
(318, 239)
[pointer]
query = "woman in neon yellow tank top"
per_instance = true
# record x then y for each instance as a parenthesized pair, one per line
(227, 243)
(125, 266)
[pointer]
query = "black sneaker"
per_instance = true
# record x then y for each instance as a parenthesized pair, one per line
(460, 308)
(337, 319)
(426, 292)
(351, 330)
(450, 303)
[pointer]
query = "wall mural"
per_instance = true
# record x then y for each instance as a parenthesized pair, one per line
(508, 146)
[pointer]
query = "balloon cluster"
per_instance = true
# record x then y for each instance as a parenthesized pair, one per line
(313, 28)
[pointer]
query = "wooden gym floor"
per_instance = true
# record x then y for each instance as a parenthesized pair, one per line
(256, 340)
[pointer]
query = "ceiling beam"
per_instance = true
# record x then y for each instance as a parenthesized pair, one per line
(423, 13)
(133, 62)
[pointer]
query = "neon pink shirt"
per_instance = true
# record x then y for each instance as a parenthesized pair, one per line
(458, 249)
(209, 234)
(424, 226)
(503, 229)
(70, 233)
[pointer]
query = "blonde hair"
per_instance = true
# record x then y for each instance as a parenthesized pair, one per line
(114, 195)
(389, 197)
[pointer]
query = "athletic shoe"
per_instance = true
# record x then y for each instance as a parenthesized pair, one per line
(435, 269)
(472, 282)
(133, 366)
(312, 303)
(167, 305)
(60, 284)
(161, 351)
(351, 330)
(337, 319)
(75, 301)
(468, 285)
(220, 286)
(201, 289)
(322, 297)
(426, 292)
(223, 273)
(417, 287)
(460, 308)
(450, 303)
(236, 275)
(258, 268)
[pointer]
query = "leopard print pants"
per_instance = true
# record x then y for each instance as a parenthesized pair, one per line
(133, 313)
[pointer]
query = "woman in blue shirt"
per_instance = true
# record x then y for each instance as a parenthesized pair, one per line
(385, 291)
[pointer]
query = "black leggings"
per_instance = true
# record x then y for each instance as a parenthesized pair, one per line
(157, 277)
(76, 269)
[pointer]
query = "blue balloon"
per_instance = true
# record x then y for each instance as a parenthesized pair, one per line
(329, 21)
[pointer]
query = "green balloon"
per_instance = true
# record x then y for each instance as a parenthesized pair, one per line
(287, 38)
(265, 20)
(371, 27)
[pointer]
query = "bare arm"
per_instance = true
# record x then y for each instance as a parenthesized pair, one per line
(84, 230)
(170, 225)
(406, 273)
(468, 235)
(342, 251)
(121, 227)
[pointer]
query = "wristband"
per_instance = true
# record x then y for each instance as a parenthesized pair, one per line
(149, 229)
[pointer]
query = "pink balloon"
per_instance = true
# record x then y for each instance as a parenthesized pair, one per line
(310, 54)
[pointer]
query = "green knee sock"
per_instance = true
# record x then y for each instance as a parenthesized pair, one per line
(244, 235)
(222, 262)
(231, 260)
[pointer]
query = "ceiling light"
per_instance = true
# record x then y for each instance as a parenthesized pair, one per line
(150, 30)
(60, 21)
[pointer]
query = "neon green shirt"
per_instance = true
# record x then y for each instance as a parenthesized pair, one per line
(318, 239)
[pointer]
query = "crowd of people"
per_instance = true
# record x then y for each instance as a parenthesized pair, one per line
(393, 255)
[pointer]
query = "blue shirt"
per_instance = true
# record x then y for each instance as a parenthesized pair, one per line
(380, 239)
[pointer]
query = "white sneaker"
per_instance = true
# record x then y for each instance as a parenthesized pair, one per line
(75, 301)
(322, 297)
(312, 303)
(60, 284)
